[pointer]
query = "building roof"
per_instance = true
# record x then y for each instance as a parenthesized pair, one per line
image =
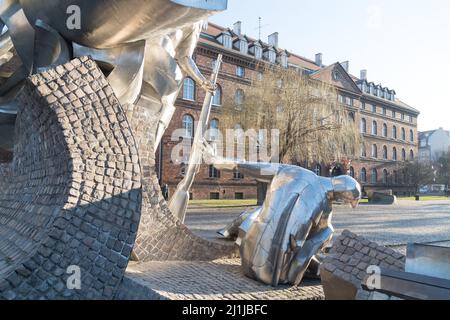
(213, 31)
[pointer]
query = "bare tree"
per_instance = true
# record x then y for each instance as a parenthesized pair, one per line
(418, 174)
(313, 126)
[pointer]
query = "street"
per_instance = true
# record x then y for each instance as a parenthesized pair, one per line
(408, 221)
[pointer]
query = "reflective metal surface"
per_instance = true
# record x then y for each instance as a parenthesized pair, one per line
(145, 47)
(109, 23)
(428, 260)
(179, 201)
(278, 243)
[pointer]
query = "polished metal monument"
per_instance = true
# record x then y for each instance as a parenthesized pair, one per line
(279, 240)
(146, 52)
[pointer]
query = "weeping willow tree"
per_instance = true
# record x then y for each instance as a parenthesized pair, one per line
(313, 126)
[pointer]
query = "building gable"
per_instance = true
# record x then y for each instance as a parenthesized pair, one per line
(336, 75)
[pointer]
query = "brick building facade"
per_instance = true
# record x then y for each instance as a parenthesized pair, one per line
(388, 125)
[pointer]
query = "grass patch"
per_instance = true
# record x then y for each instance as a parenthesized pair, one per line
(426, 198)
(223, 203)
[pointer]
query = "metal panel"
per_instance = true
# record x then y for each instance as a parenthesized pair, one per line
(433, 261)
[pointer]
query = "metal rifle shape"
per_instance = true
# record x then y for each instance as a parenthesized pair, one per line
(178, 203)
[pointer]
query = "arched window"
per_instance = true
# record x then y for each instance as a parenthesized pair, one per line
(385, 153)
(385, 176)
(395, 177)
(363, 125)
(411, 135)
(239, 99)
(394, 154)
(403, 155)
(214, 130)
(374, 151)
(374, 128)
(385, 130)
(403, 134)
(318, 169)
(351, 172)
(363, 151)
(394, 132)
(217, 99)
(411, 155)
(188, 126)
(189, 89)
(374, 176)
(363, 175)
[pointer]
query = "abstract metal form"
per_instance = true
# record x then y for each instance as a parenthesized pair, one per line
(279, 240)
(82, 190)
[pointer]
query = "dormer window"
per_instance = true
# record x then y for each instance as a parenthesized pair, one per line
(271, 55)
(284, 59)
(258, 52)
(242, 46)
(226, 40)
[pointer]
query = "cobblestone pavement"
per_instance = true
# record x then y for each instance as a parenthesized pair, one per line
(395, 225)
(216, 280)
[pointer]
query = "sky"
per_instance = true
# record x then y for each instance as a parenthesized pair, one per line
(403, 44)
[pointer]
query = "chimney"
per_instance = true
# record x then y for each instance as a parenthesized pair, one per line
(273, 39)
(345, 65)
(363, 74)
(237, 27)
(319, 59)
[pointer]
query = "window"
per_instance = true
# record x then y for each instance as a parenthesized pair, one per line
(385, 153)
(403, 134)
(239, 99)
(374, 151)
(394, 114)
(351, 116)
(188, 126)
(258, 52)
(214, 196)
(341, 99)
(411, 155)
(239, 195)
(363, 105)
(394, 154)
(403, 154)
(384, 111)
(363, 125)
(363, 151)
(349, 101)
(411, 135)
(189, 89)
(394, 177)
(363, 175)
(318, 169)
(217, 99)
(385, 130)
(214, 130)
(374, 108)
(213, 172)
(403, 117)
(243, 46)
(374, 176)
(411, 119)
(227, 43)
(374, 128)
(385, 176)
(351, 172)
(237, 175)
(394, 132)
(240, 71)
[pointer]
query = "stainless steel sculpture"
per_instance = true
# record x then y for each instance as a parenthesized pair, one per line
(179, 201)
(279, 240)
(145, 47)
